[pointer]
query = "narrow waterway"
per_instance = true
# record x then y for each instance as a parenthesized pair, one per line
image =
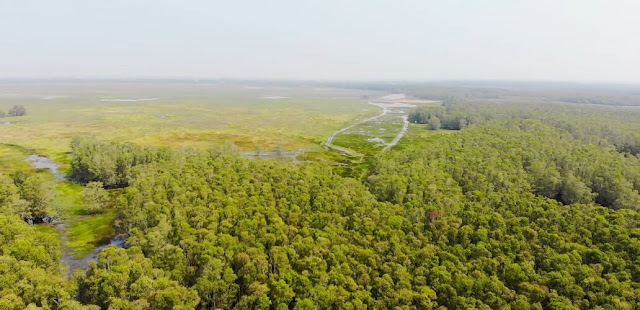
(42, 162)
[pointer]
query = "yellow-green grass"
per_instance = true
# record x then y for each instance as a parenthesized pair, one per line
(12, 159)
(419, 133)
(68, 199)
(84, 234)
(184, 115)
(84, 231)
(47, 230)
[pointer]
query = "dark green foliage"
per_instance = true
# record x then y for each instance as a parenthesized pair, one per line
(35, 197)
(254, 234)
(601, 126)
(108, 162)
(29, 268)
(521, 156)
(125, 279)
(492, 227)
(421, 115)
(522, 209)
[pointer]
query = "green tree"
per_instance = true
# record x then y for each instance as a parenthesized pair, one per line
(433, 123)
(17, 110)
(575, 191)
(34, 190)
(124, 279)
(96, 198)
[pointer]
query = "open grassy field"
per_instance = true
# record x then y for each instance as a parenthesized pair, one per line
(12, 159)
(176, 114)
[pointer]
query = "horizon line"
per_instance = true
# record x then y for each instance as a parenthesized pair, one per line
(310, 80)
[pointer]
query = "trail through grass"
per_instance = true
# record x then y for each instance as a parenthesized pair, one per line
(374, 134)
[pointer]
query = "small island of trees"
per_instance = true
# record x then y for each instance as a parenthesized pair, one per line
(17, 110)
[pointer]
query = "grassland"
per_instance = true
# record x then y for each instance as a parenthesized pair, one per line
(12, 158)
(183, 115)
(84, 231)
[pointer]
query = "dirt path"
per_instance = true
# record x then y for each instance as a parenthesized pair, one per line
(405, 119)
(330, 144)
(387, 103)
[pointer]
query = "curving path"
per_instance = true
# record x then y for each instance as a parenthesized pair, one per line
(387, 103)
(330, 144)
(405, 119)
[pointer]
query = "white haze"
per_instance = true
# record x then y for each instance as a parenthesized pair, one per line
(584, 40)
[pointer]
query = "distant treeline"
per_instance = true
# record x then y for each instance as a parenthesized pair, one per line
(617, 95)
(601, 126)
(601, 99)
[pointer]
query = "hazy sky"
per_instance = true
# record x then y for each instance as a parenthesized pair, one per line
(586, 40)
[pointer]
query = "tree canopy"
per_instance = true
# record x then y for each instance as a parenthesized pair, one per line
(511, 208)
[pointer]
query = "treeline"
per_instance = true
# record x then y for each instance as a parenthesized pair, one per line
(601, 126)
(108, 162)
(533, 92)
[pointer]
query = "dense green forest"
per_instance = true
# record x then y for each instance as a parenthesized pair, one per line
(494, 206)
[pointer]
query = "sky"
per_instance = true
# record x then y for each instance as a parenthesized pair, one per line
(561, 40)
